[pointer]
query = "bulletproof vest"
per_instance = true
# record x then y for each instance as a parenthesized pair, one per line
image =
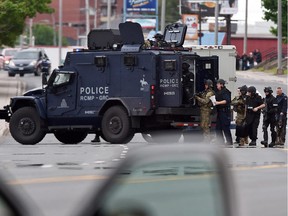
(204, 96)
(220, 95)
(253, 102)
(271, 104)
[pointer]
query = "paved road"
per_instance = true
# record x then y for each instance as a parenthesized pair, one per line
(58, 177)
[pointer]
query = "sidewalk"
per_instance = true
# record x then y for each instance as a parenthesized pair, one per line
(9, 87)
(261, 76)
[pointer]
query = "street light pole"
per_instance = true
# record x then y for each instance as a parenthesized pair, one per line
(60, 32)
(279, 38)
(108, 14)
(216, 22)
(87, 10)
(163, 15)
(246, 28)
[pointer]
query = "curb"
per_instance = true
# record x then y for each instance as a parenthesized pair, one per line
(261, 76)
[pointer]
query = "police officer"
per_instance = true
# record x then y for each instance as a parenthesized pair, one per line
(269, 117)
(281, 116)
(239, 107)
(187, 83)
(159, 41)
(223, 100)
(205, 107)
(254, 104)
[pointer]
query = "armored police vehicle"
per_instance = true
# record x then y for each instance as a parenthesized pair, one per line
(117, 87)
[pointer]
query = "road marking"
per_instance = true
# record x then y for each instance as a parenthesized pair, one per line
(94, 177)
(55, 179)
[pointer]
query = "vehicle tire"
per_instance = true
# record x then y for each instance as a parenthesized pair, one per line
(11, 74)
(21, 75)
(116, 125)
(70, 136)
(38, 71)
(165, 136)
(26, 126)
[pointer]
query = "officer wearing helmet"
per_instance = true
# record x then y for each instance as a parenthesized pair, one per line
(223, 101)
(187, 83)
(159, 41)
(254, 104)
(269, 117)
(205, 104)
(238, 104)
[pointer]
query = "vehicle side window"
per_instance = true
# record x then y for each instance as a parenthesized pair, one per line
(62, 79)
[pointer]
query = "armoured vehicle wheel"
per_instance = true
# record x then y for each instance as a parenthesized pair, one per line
(26, 126)
(70, 136)
(21, 75)
(116, 125)
(11, 75)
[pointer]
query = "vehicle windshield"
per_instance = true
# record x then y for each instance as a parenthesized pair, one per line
(10, 52)
(26, 55)
(178, 188)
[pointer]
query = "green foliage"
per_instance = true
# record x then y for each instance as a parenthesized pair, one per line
(271, 12)
(172, 11)
(13, 14)
(43, 34)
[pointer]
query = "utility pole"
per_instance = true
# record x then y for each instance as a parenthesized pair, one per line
(246, 28)
(30, 32)
(95, 13)
(216, 22)
(279, 39)
(60, 32)
(163, 15)
(108, 14)
(87, 10)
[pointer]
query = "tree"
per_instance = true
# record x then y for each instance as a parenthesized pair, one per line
(172, 11)
(44, 35)
(270, 13)
(13, 15)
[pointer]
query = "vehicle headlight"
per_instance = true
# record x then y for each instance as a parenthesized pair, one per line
(33, 63)
(11, 64)
(7, 62)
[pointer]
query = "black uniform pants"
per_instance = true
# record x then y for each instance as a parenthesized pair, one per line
(270, 120)
(252, 126)
(223, 126)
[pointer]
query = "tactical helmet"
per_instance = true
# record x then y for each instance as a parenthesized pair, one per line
(158, 36)
(221, 81)
(209, 83)
(252, 90)
(185, 66)
(268, 89)
(243, 89)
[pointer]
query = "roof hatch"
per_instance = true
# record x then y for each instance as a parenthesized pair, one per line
(132, 36)
(175, 34)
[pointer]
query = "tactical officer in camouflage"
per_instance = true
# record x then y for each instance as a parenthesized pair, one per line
(239, 107)
(281, 116)
(205, 104)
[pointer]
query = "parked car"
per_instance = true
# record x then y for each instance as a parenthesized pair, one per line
(32, 60)
(5, 57)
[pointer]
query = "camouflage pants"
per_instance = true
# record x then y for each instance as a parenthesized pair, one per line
(205, 114)
(239, 120)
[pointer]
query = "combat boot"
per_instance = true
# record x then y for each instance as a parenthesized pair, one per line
(252, 143)
(271, 145)
(242, 142)
(265, 143)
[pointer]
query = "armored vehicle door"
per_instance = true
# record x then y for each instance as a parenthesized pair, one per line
(170, 91)
(61, 93)
(206, 68)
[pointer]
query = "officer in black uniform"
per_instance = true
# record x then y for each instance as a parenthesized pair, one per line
(254, 104)
(269, 117)
(281, 116)
(223, 101)
(187, 83)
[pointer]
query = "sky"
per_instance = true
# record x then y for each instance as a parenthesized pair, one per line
(255, 12)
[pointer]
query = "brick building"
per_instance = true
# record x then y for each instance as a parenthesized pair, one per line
(74, 16)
